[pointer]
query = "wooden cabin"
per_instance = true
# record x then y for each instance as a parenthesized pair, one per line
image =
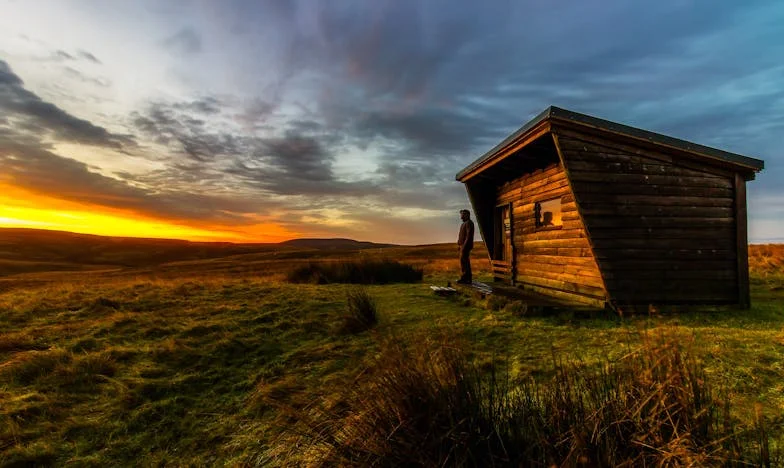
(598, 213)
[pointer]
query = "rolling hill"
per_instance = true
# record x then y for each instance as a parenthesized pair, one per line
(334, 244)
(34, 250)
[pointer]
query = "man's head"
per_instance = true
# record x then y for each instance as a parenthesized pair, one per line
(465, 215)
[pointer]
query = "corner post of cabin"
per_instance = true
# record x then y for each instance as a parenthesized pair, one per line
(741, 224)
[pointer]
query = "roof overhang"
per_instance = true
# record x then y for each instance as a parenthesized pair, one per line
(554, 117)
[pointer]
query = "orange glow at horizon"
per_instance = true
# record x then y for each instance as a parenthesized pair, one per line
(24, 209)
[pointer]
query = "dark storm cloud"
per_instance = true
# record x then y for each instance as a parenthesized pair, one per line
(7, 76)
(430, 86)
(173, 125)
(399, 73)
(26, 109)
(446, 84)
(452, 81)
(184, 41)
(424, 59)
(295, 165)
(207, 105)
(300, 156)
(423, 88)
(298, 162)
(31, 164)
(392, 72)
(427, 133)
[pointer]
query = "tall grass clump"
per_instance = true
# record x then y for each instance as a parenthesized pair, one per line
(766, 265)
(360, 271)
(425, 404)
(25, 368)
(768, 258)
(361, 311)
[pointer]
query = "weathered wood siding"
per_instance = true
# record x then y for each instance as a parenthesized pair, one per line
(557, 262)
(662, 229)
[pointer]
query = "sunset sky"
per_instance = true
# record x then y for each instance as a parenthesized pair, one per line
(268, 120)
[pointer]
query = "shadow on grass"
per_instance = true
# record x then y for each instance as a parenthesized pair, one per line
(362, 271)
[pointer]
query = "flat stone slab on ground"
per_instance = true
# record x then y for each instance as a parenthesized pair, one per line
(443, 291)
(482, 288)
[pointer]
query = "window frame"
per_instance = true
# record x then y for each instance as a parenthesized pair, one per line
(537, 215)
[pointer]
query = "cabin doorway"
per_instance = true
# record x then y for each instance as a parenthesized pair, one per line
(503, 256)
(503, 216)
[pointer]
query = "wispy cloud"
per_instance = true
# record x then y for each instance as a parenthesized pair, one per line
(88, 56)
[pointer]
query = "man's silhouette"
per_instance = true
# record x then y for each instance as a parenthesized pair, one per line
(465, 242)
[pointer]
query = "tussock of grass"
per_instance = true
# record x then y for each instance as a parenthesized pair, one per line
(516, 308)
(13, 342)
(363, 271)
(90, 367)
(496, 302)
(102, 304)
(767, 258)
(24, 368)
(425, 404)
(361, 311)
(766, 263)
(56, 368)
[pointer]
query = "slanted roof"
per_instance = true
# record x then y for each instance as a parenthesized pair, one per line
(557, 115)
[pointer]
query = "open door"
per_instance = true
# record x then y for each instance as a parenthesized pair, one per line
(503, 258)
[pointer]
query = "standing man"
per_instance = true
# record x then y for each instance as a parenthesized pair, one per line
(465, 242)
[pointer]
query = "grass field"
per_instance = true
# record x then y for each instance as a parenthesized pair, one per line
(190, 362)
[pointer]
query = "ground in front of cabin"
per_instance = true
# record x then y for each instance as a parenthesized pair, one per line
(179, 364)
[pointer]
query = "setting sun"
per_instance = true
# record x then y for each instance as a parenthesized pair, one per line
(21, 208)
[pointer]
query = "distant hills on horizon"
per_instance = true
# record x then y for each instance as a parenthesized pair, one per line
(27, 250)
(336, 243)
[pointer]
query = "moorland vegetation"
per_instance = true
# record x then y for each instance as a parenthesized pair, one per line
(213, 361)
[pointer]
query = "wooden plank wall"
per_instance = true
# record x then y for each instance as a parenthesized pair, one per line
(663, 230)
(557, 262)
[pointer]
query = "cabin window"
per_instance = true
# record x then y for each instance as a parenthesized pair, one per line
(548, 214)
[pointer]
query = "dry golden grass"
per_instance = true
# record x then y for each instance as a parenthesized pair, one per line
(175, 364)
(423, 403)
(766, 258)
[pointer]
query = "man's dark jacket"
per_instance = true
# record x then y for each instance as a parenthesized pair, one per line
(465, 240)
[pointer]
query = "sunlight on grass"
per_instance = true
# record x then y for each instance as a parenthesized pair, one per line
(181, 364)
